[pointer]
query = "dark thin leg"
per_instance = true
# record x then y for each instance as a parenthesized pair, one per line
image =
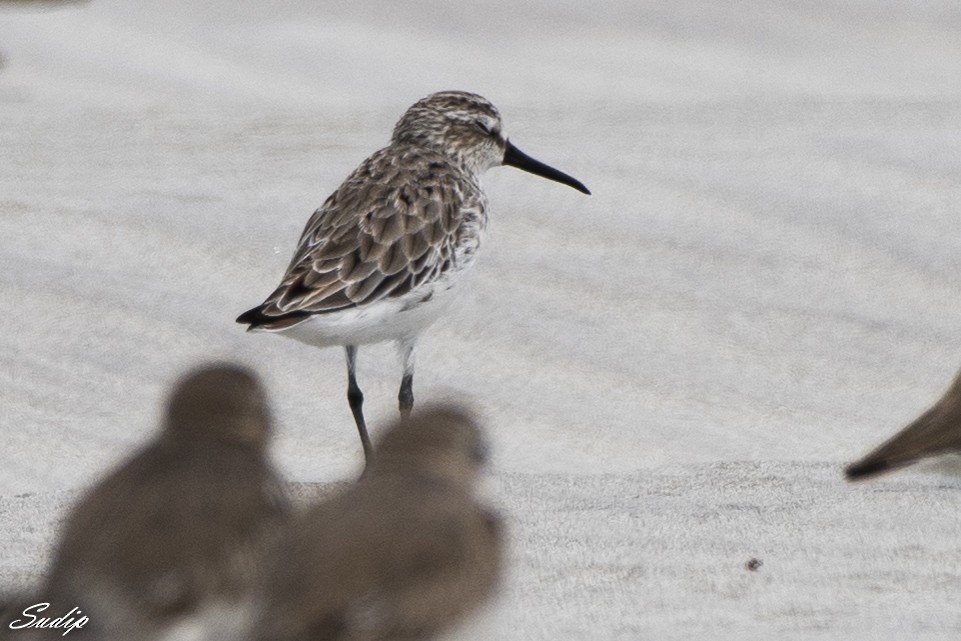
(356, 399)
(406, 395)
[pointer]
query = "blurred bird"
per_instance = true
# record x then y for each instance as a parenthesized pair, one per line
(378, 260)
(937, 431)
(168, 546)
(404, 553)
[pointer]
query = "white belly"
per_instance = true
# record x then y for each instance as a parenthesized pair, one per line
(389, 319)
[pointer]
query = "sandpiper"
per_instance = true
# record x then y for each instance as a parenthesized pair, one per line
(169, 545)
(937, 431)
(376, 262)
(406, 552)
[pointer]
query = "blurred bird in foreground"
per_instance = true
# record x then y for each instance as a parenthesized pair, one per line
(406, 552)
(937, 431)
(168, 546)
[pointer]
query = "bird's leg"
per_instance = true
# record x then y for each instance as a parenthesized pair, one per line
(406, 395)
(356, 399)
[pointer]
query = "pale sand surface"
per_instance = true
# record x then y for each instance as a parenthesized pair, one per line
(768, 273)
(663, 554)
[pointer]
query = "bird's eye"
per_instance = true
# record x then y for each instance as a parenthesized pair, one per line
(484, 126)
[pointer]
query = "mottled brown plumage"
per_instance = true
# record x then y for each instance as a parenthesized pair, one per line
(414, 225)
(376, 262)
(937, 431)
(174, 536)
(405, 553)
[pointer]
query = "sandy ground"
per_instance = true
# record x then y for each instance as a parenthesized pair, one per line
(673, 371)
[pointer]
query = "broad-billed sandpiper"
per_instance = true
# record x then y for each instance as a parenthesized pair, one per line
(376, 262)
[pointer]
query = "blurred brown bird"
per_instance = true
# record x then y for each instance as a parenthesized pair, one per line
(937, 431)
(168, 546)
(404, 553)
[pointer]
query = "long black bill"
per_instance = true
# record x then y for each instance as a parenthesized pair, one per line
(517, 158)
